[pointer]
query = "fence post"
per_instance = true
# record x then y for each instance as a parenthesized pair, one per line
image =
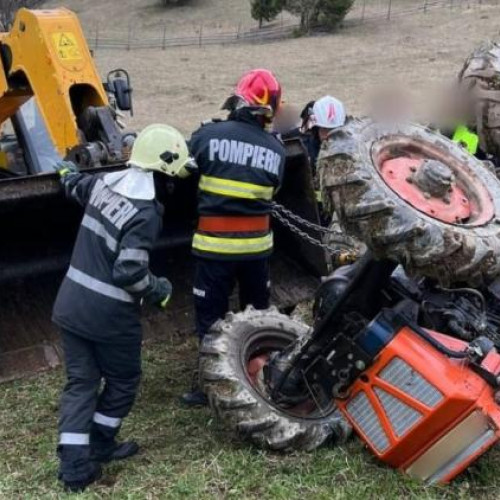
(96, 35)
(201, 35)
(164, 43)
(363, 11)
(129, 36)
(425, 6)
(238, 32)
(389, 7)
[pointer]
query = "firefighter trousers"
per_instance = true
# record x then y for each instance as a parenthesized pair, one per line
(215, 281)
(89, 413)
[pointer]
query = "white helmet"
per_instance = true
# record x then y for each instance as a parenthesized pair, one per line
(162, 148)
(327, 112)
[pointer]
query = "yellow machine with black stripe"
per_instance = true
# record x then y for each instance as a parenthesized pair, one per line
(54, 106)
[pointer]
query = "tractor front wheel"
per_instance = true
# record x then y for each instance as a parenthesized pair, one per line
(232, 360)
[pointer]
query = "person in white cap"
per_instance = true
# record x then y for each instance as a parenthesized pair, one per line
(99, 302)
(319, 119)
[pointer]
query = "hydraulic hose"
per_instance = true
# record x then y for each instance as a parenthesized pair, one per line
(435, 343)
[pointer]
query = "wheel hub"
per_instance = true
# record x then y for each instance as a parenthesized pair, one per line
(428, 185)
(255, 367)
(434, 179)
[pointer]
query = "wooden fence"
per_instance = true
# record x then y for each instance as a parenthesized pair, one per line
(363, 11)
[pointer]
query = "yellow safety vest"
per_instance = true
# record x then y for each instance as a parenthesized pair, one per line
(468, 139)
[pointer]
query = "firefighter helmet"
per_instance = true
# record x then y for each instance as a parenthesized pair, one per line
(327, 112)
(161, 148)
(258, 89)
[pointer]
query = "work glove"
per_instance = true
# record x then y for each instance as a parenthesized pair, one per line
(191, 165)
(160, 292)
(64, 168)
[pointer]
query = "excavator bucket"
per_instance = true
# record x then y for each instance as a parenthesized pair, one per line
(38, 227)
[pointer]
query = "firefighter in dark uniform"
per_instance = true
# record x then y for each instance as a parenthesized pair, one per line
(240, 166)
(98, 304)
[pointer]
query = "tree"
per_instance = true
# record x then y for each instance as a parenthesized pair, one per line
(330, 13)
(318, 13)
(265, 10)
(304, 9)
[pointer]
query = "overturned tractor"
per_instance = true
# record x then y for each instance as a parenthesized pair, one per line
(402, 349)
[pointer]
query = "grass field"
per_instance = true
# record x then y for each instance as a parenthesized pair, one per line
(185, 454)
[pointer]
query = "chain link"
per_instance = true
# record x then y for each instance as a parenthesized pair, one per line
(277, 209)
(285, 217)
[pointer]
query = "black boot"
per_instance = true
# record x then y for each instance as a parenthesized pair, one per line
(108, 452)
(76, 470)
(196, 397)
(103, 445)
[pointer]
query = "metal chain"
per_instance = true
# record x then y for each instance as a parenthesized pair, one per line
(341, 255)
(277, 208)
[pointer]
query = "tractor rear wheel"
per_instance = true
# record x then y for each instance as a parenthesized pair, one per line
(415, 197)
(232, 358)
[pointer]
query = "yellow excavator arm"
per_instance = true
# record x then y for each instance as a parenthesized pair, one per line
(45, 55)
(45, 58)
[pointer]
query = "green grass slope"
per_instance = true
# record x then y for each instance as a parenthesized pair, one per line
(185, 454)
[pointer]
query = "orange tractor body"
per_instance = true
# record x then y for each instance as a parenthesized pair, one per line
(423, 412)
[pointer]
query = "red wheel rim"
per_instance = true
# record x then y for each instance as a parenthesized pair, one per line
(433, 181)
(255, 366)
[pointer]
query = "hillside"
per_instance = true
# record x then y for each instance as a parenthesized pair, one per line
(186, 85)
(144, 14)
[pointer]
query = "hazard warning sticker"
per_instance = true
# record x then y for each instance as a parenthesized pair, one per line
(66, 46)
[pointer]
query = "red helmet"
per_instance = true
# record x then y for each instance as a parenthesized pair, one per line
(258, 88)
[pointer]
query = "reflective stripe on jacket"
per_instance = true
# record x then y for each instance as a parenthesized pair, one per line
(109, 271)
(241, 167)
(234, 189)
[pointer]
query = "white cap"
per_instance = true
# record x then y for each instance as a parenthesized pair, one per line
(327, 112)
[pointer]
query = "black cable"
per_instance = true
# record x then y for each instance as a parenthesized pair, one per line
(435, 343)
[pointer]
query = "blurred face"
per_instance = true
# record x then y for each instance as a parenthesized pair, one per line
(452, 106)
(391, 104)
(286, 119)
